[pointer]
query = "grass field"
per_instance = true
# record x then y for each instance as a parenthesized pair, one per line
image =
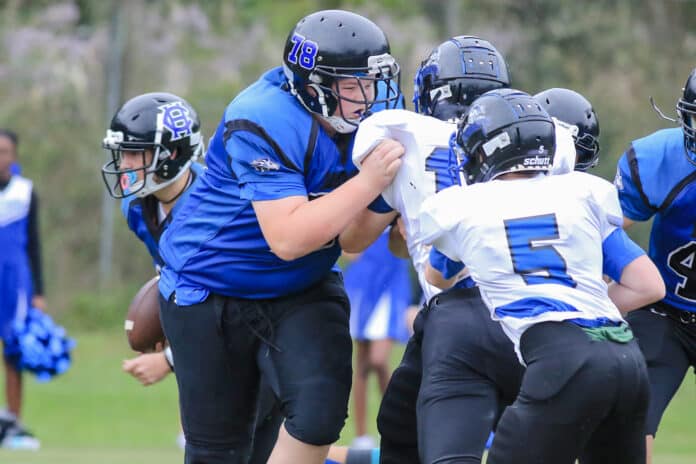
(96, 414)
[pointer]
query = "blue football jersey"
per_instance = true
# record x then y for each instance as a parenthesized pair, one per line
(656, 179)
(266, 147)
(141, 216)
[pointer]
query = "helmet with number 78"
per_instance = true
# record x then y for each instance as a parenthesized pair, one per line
(327, 46)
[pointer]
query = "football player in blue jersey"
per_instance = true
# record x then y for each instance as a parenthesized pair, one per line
(249, 284)
(656, 178)
(21, 279)
(150, 169)
(549, 298)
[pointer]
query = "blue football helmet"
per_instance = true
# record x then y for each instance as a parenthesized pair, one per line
(504, 131)
(334, 44)
(576, 111)
(455, 73)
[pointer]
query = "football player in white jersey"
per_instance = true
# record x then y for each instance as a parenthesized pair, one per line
(537, 246)
(454, 74)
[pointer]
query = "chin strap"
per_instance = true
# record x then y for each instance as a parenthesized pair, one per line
(186, 186)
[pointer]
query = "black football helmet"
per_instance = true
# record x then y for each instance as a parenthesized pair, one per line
(456, 73)
(504, 131)
(576, 111)
(334, 44)
(686, 107)
(160, 124)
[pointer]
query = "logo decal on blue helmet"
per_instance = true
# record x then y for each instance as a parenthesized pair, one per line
(176, 119)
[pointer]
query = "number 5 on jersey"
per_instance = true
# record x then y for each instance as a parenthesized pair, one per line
(536, 264)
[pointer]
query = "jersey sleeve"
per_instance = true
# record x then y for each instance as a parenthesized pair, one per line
(438, 218)
(628, 183)
(606, 204)
(618, 251)
(263, 173)
(379, 205)
(447, 267)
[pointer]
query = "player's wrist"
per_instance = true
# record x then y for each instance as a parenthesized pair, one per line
(370, 184)
(169, 357)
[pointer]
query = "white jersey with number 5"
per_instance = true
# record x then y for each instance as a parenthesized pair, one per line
(534, 245)
(425, 170)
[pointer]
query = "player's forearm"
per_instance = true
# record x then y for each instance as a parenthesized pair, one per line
(641, 284)
(435, 277)
(364, 230)
(315, 223)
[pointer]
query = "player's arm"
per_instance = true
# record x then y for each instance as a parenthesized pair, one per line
(397, 239)
(294, 226)
(634, 201)
(441, 271)
(364, 230)
(627, 222)
(371, 222)
(637, 281)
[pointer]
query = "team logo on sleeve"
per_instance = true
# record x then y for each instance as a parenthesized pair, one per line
(264, 165)
(176, 119)
(618, 181)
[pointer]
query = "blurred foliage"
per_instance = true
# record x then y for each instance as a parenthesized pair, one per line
(53, 88)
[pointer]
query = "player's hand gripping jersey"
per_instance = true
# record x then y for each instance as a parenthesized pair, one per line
(523, 254)
(424, 170)
(654, 178)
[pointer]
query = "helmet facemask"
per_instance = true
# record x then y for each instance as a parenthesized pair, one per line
(378, 84)
(687, 119)
(587, 151)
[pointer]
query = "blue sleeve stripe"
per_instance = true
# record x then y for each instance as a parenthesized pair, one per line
(446, 266)
(379, 205)
(244, 125)
(635, 176)
(618, 252)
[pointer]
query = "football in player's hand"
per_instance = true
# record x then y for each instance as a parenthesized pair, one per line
(142, 325)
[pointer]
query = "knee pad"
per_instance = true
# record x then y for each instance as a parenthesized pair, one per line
(317, 415)
(200, 455)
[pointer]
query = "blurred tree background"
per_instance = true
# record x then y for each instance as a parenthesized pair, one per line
(55, 86)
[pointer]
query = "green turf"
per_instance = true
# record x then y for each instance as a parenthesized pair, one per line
(97, 414)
